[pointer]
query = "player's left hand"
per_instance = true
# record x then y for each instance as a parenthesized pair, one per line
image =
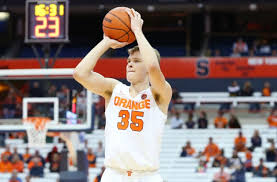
(136, 20)
(114, 44)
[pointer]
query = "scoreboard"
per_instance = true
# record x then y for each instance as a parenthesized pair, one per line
(46, 21)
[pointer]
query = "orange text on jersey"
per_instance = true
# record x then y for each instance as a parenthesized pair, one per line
(130, 104)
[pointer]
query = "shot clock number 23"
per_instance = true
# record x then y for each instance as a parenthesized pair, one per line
(46, 21)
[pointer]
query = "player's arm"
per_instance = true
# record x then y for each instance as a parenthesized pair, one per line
(66, 137)
(149, 57)
(91, 80)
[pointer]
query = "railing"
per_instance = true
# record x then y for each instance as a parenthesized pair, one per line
(223, 97)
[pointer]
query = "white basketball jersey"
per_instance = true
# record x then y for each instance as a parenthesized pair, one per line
(133, 131)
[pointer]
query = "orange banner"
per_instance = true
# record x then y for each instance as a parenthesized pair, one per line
(257, 67)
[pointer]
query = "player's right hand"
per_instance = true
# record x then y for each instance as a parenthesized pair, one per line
(114, 44)
(136, 20)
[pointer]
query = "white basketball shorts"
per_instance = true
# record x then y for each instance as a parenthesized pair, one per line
(114, 175)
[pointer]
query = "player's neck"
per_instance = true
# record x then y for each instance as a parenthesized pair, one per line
(138, 87)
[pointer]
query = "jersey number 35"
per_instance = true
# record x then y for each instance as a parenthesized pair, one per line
(137, 123)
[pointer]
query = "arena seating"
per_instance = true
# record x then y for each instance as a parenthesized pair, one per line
(19, 143)
(82, 50)
(186, 95)
(176, 169)
(222, 97)
(172, 168)
(225, 45)
(217, 94)
(76, 51)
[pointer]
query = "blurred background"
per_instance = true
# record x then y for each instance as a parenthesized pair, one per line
(176, 27)
(220, 58)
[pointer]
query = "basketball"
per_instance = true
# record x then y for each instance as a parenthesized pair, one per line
(117, 25)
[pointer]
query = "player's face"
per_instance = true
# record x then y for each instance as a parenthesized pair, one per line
(135, 69)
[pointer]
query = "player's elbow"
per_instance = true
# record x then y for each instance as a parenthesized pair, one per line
(78, 74)
(153, 67)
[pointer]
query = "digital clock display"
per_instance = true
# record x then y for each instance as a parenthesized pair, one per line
(46, 21)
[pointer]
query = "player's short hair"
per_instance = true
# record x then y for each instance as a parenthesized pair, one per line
(136, 48)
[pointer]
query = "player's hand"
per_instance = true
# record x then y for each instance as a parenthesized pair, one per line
(114, 44)
(136, 21)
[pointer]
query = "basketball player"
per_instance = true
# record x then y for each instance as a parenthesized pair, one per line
(135, 114)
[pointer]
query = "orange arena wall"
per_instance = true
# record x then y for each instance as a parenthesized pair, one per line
(187, 68)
